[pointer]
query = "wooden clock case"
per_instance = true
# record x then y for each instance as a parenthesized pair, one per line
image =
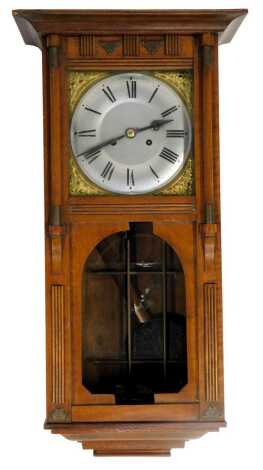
(91, 40)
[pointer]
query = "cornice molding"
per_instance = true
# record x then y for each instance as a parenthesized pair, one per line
(35, 24)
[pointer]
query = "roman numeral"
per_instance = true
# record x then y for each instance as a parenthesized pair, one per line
(108, 170)
(154, 172)
(131, 88)
(108, 92)
(86, 133)
(169, 111)
(92, 155)
(91, 110)
(130, 178)
(175, 133)
(153, 95)
(169, 155)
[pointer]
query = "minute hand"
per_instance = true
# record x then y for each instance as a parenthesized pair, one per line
(100, 146)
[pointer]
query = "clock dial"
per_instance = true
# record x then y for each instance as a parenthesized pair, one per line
(131, 133)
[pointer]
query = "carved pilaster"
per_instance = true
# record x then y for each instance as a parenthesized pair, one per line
(57, 345)
(211, 353)
(59, 373)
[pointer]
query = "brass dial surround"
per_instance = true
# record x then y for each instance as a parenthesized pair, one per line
(80, 82)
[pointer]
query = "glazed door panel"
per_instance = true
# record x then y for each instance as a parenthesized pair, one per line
(177, 237)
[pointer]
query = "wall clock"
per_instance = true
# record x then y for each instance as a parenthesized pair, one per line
(132, 211)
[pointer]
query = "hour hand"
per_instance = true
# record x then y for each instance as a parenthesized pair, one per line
(159, 123)
(155, 125)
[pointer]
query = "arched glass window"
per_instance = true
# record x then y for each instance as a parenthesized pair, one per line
(134, 317)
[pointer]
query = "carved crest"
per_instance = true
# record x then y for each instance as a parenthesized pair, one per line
(110, 46)
(152, 45)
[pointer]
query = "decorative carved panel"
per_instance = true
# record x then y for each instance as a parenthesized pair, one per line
(142, 46)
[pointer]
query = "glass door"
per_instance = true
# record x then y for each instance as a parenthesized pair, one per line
(134, 317)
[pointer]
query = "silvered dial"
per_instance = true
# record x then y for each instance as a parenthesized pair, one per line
(131, 133)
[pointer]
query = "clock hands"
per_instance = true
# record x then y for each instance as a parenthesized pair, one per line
(130, 133)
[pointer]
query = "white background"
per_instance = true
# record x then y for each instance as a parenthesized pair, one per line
(24, 444)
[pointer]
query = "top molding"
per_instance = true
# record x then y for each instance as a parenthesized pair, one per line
(35, 24)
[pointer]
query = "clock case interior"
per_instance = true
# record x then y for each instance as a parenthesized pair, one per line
(133, 283)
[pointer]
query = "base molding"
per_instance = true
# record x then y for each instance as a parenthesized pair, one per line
(132, 453)
(133, 447)
(134, 439)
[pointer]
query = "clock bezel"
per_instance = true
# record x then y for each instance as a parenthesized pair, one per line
(187, 98)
